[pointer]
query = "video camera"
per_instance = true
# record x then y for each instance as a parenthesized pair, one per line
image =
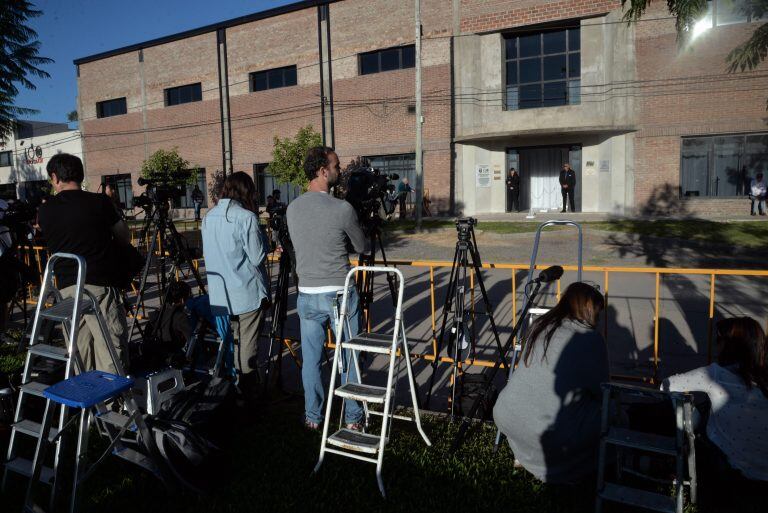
(19, 212)
(161, 187)
(368, 190)
(464, 227)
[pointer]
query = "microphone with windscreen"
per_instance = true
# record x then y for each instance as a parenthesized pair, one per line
(549, 274)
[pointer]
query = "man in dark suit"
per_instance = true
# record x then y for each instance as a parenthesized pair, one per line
(568, 186)
(513, 190)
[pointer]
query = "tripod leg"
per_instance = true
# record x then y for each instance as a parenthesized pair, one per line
(446, 310)
(487, 303)
(143, 284)
(390, 276)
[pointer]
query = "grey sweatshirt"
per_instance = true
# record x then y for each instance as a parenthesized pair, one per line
(319, 226)
(550, 411)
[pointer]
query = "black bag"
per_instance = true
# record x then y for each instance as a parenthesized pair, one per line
(128, 263)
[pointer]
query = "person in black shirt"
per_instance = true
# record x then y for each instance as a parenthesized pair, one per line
(513, 190)
(197, 201)
(568, 186)
(87, 224)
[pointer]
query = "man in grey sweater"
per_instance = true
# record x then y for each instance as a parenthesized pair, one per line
(320, 227)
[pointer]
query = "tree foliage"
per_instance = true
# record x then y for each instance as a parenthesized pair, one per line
(746, 56)
(216, 185)
(72, 116)
(288, 156)
(19, 59)
(169, 162)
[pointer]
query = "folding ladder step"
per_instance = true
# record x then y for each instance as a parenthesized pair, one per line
(62, 310)
(116, 419)
(355, 441)
(32, 428)
(638, 498)
(48, 351)
(23, 466)
(135, 457)
(643, 441)
(34, 388)
(362, 392)
(370, 343)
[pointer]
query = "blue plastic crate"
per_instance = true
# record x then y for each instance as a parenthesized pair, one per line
(86, 390)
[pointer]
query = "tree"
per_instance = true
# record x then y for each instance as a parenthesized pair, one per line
(72, 116)
(748, 55)
(19, 59)
(288, 156)
(169, 166)
(216, 185)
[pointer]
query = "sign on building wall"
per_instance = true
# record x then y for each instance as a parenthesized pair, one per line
(605, 166)
(483, 176)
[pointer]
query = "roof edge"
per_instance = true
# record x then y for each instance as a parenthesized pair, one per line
(261, 15)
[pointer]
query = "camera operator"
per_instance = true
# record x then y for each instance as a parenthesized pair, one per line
(9, 277)
(87, 224)
(235, 248)
(319, 226)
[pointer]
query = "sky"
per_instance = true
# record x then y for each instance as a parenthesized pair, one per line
(70, 29)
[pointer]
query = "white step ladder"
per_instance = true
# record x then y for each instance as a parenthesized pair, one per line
(355, 444)
(68, 313)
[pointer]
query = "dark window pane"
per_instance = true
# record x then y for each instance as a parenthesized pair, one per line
(369, 63)
(554, 42)
(511, 47)
(172, 96)
(512, 72)
(554, 67)
(574, 65)
(554, 94)
(197, 92)
(574, 39)
(289, 77)
(260, 81)
(275, 78)
(728, 170)
(756, 155)
(530, 45)
(530, 96)
(5, 158)
(390, 59)
(409, 56)
(695, 165)
(530, 70)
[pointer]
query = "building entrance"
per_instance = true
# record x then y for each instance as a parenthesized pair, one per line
(539, 169)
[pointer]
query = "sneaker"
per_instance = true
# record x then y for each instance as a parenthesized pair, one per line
(312, 426)
(355, 426)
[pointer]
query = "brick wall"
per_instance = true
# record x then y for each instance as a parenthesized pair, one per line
(490, 15)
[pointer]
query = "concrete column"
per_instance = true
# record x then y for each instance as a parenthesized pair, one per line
(226, 123)
(144, 126)
(326, 74)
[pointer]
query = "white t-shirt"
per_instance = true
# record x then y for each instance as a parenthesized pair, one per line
(738, 421)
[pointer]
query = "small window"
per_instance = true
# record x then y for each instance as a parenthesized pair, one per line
(389, 59)
(5, 158)
(122, 185)
(185, 200)
(110, 108)
(273, 78)
(266, 183)
(183, 94)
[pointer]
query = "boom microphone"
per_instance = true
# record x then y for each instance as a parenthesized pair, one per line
(549, 274)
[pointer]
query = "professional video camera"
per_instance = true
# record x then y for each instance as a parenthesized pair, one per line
(19, 212)
(368, 190)
(161, 187)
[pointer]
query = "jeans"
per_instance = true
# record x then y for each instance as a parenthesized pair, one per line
(314, 311)
(198, 205)
(760, 201)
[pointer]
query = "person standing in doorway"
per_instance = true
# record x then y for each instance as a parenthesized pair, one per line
(568, 186)
(197, 201)
(513, 190)
(403, 188)
(758, 190)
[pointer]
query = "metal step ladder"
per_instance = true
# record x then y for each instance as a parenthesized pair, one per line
(681, 447)
(355, 444)
(42, 352)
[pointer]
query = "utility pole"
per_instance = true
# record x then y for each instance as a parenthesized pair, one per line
(419, 122)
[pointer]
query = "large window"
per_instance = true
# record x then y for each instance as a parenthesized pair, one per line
(122, 184)
(543, 69)
(726, 12)
(273, 78)
(389, 59)
(722, 165)
(109, 108)
(266, 183)
(402, 165)
(6, 158)
(185, 201)
(183, 94)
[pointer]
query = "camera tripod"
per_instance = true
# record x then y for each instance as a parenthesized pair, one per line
(466, 255)
(365, 279)
(165, 244)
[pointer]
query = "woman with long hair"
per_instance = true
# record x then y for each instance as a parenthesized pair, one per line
(550, 408)
(737, 388)
(235, 248)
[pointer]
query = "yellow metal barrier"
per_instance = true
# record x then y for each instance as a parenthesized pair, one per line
(656, 272)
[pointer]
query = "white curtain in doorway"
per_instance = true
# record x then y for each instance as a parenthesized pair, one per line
(544, 167)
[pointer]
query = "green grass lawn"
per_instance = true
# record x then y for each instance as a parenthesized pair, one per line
(270, 459)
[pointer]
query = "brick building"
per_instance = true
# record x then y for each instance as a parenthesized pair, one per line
(505, 83)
